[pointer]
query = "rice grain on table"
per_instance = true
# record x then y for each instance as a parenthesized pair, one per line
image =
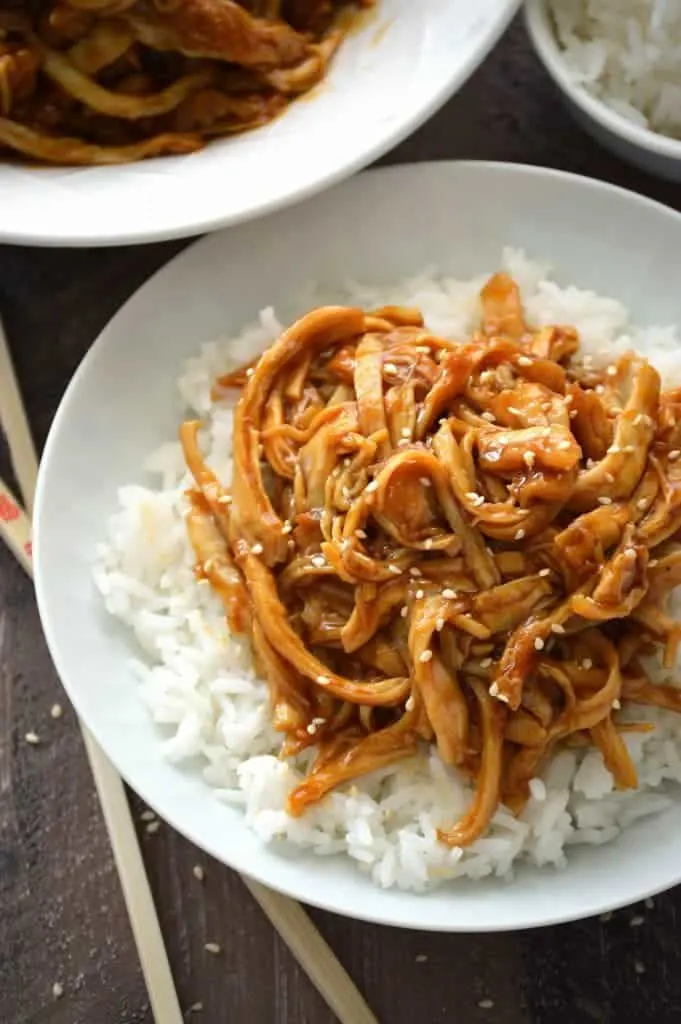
(200, 687)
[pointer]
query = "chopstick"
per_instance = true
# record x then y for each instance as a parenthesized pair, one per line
(15, 528)
(289, 919)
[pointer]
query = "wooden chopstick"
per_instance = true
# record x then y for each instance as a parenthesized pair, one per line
(288, 917)
(16, 530)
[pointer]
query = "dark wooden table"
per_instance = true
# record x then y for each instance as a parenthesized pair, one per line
(62, 917)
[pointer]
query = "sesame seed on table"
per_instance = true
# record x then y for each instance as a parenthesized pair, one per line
(66, 952)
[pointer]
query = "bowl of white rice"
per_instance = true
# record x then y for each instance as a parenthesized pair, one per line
(144, 651)
(618, 65)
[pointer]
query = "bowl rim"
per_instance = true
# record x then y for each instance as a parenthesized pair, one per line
(489, 31)
(548, 915)
(538, 24)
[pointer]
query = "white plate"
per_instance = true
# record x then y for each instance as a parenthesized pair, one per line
(387, 79)
(121, 404)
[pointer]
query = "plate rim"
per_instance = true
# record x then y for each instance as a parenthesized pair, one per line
(296, 890)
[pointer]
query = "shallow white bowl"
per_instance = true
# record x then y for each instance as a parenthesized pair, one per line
(121, 404)
(657, 154)
(387, 79)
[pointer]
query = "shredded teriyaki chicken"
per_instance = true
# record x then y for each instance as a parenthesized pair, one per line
(469, 545)
(111, 81)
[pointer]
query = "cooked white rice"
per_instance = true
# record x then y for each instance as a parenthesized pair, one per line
(199, 686)
(628, 54)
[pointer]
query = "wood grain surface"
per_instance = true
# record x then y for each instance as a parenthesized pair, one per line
(61, 915)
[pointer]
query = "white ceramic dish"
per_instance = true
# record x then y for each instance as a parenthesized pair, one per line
(657, 154)
(121, 404)
(387, 79)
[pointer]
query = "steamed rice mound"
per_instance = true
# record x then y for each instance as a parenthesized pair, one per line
(198, 682)
(627, 53)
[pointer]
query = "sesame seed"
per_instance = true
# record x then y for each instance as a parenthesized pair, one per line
(524, 361)
(198, 872)
(195, 1008)
(485, 663)
(639, 419)
(544, 572)
(213, 947)
(405, 431)
(428, 543)
(590, 463)
(653, 562)
(489, 416)
(404, 611)
(587, 663)
(611, 371)
(311, 729)
(319, 561)
(323, 680)
(494, 690)
(395, 569)
(287, 528)
(674, 454)
(475, 498)
(57, 990)
(361, 534)
(225, 499)
(486, 1004)
(557, 628)
(564, 445)
(529, 458)
(153, 827)
(439, 624)
(425, 656)
(291, 545)
(649, 903)
(573, 414)
(636, 921)
(629, 449)
(568, 400)
(257, 549)
(538, 644)
(421, 958)
(599, 389)
(512, 409)
(425, 481)
(319, 721)
(641, 503)
(371, 487)
(614, 449)
(519, 534)
(616, 705)
(604, 500)
(32, 738)
(415, 571)
(208, 565)
(609, 477)
(148, 816)
(390, 367)
(449, 594)
(639, 967)
(419, 595)
(410, 704)
(56, 711)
